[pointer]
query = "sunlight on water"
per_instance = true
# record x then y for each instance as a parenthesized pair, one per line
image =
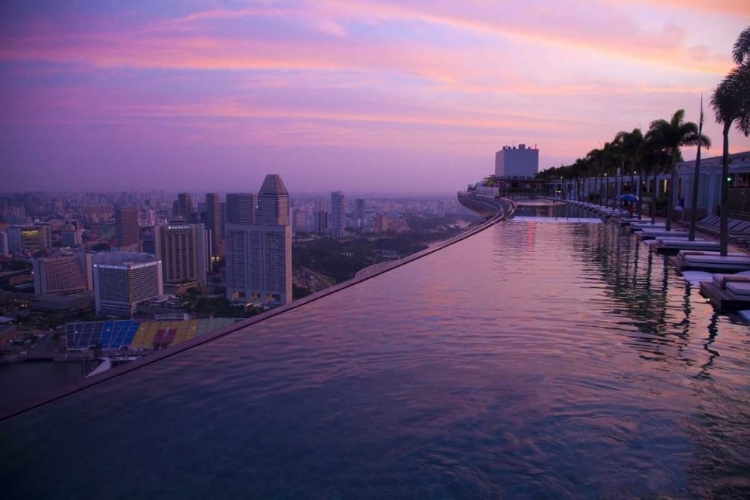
(531, 360)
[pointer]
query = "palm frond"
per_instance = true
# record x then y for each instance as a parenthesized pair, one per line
(741, 48)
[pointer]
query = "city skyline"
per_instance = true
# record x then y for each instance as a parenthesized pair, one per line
(109, 96)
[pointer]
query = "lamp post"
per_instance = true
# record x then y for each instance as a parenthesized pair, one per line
(606, 190)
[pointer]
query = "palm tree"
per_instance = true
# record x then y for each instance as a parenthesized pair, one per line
(731, 103)
(630, 144)
(672, 135)
(596, 158)
(653, 161)
(741, 49)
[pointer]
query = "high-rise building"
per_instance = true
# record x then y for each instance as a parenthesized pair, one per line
(63, 274)
(28, 238)
(122, 280)
(4, 251)
(338, 214)
(182, 249)
(127, 232)
(381, 223)
(222, 221)
(321, 221)
(184, 206)
(242, 208)
(72, 238)
(259, 256)
(359, 208)
(517, 162)
(213, 221)
(148, 243)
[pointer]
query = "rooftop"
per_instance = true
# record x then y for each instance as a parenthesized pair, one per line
(527, 360)
(273, 184)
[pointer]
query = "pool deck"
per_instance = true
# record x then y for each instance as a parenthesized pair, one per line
(723, 299)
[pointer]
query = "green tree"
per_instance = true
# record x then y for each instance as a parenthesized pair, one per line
(671, 136)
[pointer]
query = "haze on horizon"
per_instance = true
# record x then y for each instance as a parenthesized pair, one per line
(347, 95)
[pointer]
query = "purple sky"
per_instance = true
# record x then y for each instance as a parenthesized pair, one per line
(361, 96)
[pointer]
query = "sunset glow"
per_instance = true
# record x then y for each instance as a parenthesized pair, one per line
(369, 96)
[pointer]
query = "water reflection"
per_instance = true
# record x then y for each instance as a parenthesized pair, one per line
(532, 360)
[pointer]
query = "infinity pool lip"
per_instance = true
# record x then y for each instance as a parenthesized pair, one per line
(506, 208)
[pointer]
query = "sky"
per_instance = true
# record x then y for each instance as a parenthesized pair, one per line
(394, 95)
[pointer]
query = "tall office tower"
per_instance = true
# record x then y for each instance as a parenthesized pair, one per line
(321, 221)
(299, 220)
(127, 232)
(359, 212)
(213, 221)
(184, 205)
(47, 235)
(28, 238)
(63, 274)
(148, 243)
(222, 220)
(338, 214)
(359, 208)
(441, 209)
(381, 223)
(122, 280)
(4, 251)
(182, 251)
(259, 256)
(72, 238)
(517, 162)
(242, 208)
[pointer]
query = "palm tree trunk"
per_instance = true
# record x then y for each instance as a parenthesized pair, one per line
(653, 201)
(672, 198)
(724, 215)
(694, 197)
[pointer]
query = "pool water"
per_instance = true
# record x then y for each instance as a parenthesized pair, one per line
(531, 360)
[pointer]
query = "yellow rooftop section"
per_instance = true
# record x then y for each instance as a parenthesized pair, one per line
(186, 330)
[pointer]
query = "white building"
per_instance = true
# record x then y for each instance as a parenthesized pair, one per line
(122, 280)
(259, 256)
(517, 162)
(183, 250)
(338, 214)
(63, 274)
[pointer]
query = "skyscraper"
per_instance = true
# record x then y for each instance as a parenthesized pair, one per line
(28, 238)
(127, 233)
(4, 250)
(184, 206)
(182, 250)
(213, 221)
(63, 274)
(241, 208)
(359, 208)
(359, 212)
(338, 214)
(122, 280)
(381, 223)
(259, 256)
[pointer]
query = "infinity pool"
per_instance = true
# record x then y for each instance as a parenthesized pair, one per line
(532, 360)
